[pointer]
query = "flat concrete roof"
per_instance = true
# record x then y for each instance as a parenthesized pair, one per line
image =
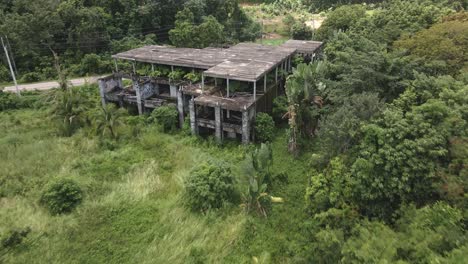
(243, 62)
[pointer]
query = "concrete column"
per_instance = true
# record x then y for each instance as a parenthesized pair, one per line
(193, 121)
(255, 90)
(276, 74)
(227, 86)
(102, 86)
(245, 127)
(289, 64)
(134, 67)
(136, 87)
(265, 82)
(202, 83)
(180, 107)
(219, 123)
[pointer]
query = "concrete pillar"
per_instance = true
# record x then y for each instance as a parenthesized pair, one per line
(245, 127)
(276, 74)
(102, 86)
(289, 64)
(173, 91)
(202, 83)
(193, 121)
(227, 86)
(255, 90)
(136, 87)
(219, 123)
(180, 107)
(265, 82)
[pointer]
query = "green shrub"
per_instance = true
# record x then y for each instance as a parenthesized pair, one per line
(264, 127)
(301, 31)
(4, 74)
(62, 196)
(15, 237)
(91, 63)
(209, 186)
(12, 101)
(166, 117)
(280, 107)
(31, 77)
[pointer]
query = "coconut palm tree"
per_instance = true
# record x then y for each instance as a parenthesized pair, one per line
(108, 119)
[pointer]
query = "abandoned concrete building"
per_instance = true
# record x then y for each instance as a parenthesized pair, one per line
(236, 83)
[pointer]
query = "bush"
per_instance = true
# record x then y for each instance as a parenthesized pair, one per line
(91, 63)
(15, 237)
(301, 31)
(31, 77)
(166, 117)
(62, 196)
(10, 101)
(264, 127)
(209, 186)
(280, 107)
(4, 74)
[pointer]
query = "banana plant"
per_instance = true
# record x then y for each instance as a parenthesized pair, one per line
(257, 169)
(304, 91)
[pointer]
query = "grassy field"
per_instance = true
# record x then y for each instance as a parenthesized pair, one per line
(133, 210)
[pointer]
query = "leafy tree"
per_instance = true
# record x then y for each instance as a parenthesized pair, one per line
(341, 19)
(188, 34)
(442, 42)
(300, 30)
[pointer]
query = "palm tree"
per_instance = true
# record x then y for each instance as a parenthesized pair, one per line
(304, 90)
(108, 120)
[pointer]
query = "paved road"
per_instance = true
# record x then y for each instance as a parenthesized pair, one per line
(50, 85)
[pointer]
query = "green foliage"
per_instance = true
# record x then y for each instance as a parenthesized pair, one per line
(257, 168)
(442, 42)
(280, 108)
(14, 237)
(193, 77)
(31, 77)
(264, 127)
(61, 196)
(209, 186)
(176, 75)
(107, 120)
(304, 91)
(10, 101)
(4, 74)
(187, 34)
(69, 108)
(341, 19)
(166, 117)
(301, 31)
